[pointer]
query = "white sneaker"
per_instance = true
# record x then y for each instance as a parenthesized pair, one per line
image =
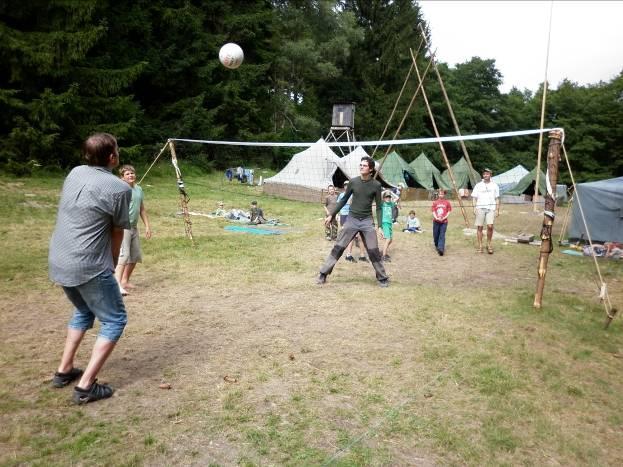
(123, 291)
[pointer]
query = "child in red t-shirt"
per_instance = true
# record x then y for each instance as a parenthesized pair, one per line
(441, 210)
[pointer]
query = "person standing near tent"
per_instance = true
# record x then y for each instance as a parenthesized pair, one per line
(330, 202)
(357, 240)
(387, 223)
(365, 190)
(441, 210)
(486, 203)
(92, 214)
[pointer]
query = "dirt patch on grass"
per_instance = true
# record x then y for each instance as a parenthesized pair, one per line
(267, 367)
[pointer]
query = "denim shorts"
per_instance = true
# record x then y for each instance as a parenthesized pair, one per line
(98, 298)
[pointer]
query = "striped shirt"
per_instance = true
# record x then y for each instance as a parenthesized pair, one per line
(93, 200)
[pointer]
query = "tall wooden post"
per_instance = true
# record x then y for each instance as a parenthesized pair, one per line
(451, 111)
(553, 157)
(183, 195)
(441, 148)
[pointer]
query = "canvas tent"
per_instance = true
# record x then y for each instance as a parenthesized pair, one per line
(426, 174)
(461, 173)
(602, 203)
(307, 174)
(526, 185)
(349, 165)
(395, 170)
(509, 179)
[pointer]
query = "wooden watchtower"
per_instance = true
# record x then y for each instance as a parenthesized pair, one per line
(343, 126)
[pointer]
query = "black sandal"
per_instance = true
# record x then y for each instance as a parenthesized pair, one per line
(61, 380)
(95, 393)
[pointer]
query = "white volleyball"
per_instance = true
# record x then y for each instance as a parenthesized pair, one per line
(231, 55)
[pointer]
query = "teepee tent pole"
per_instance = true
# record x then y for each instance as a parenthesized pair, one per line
(452, 116)
(404, 85)
(538, 157)
(443, 151)
(406, 113)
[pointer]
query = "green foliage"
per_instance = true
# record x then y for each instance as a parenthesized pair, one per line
(147, 71)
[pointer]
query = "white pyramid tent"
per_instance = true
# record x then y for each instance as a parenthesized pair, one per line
(306, 175)
(349, 164)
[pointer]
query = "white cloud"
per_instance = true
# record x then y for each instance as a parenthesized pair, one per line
(586, 38)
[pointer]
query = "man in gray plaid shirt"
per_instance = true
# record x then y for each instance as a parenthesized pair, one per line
(93, 211)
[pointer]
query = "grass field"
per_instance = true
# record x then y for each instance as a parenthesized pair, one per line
(448, 366)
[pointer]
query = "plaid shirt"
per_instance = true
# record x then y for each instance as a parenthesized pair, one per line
(92, 202)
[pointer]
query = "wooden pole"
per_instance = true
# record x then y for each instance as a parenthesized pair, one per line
(404, 85)
(183, 195)
(538, 157)
(553, 157)
(443, 151)
(404, 117)
(452, 116)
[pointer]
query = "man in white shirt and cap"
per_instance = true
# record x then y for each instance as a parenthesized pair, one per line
(486, 203)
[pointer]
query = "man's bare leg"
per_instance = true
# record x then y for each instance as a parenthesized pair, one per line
(479, 236)
(72, 342)
(489, 236)
(101, 351)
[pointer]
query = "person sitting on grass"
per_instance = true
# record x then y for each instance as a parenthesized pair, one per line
(413, 223)
(257, 215)
(387, 224)
(130, 253)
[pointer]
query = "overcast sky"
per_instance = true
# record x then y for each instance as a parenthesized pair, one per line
(586, 44)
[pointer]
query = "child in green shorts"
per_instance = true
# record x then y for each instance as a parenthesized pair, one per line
(387, 224)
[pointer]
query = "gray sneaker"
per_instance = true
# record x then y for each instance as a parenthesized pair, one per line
(321, 279)
(384, 283)
(350, 259)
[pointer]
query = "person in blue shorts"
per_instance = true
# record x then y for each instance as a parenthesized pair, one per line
(84, 248)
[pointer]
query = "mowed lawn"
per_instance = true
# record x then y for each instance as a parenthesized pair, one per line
(450, 365)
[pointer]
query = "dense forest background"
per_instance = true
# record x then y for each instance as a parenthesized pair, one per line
(147, 70)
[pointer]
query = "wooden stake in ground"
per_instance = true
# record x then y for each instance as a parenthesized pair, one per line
(553, 157)
(183, 196)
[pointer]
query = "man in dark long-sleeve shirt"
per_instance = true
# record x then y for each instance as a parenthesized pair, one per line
(364, 190)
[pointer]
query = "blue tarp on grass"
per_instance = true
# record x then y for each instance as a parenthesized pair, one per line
(252, 230)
